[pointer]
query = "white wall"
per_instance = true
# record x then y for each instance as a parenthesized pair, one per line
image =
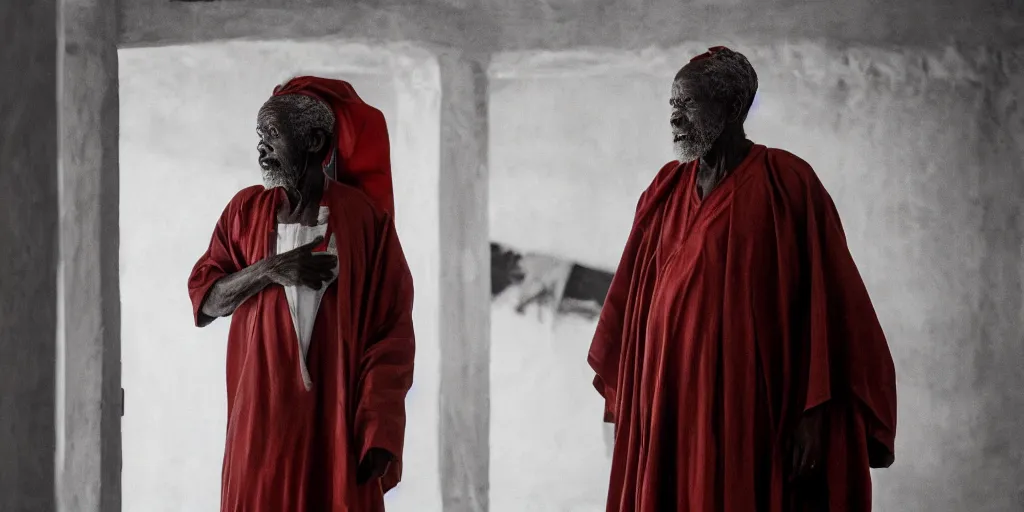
(548, 445)
(188, 143)
(921, 151)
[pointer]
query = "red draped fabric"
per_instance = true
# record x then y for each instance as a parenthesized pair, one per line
(727, 319)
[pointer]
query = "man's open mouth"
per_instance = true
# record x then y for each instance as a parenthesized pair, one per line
(267, 163)
(678, 137)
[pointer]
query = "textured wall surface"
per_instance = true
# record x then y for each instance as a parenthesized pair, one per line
(188, 144)
(498, 25)
(88, 338)
(28, 254)
(465, 284)
(548, 444)
(921, 151)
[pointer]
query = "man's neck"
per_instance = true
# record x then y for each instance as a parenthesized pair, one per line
(303, 201)
(727, 153)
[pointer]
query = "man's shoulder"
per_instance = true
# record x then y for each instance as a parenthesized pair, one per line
(787, 161)
(354, 202)
(666, 178)
(665, 172)
(244, 199)
(797, 178)
(247, 194)
(790, 170)
(662, 179)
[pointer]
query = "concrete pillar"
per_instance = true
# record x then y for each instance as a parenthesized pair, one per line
(29, 141)
(465, 285)
(89, 330)
(415, 164)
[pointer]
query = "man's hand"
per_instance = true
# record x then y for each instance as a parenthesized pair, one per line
(374, 465)
(806, 448)
(300, 267)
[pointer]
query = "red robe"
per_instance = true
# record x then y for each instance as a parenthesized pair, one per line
(727, 319)
(289, 449)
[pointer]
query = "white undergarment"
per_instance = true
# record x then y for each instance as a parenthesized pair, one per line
(303, 302)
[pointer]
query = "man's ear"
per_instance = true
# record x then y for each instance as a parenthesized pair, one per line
(736, 110)
(317, 141)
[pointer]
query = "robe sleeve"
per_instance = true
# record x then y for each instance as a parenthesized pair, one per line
(387, 362)
(223, 257)
(606, 347)
(848, 353)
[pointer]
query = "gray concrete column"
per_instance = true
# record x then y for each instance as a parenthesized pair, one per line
(89, 337)
(465, 285)
(28, 253)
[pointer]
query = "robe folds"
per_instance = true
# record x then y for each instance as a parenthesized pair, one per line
(727, 319)
(289, 449)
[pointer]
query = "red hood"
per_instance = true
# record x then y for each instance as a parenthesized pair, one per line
(361, 139)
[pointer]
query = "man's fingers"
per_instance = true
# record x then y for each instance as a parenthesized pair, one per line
(321, 269)
(325, 260)
(319, 262)
(312, 280)
(794, 462)
(814, 462)
(807, 464)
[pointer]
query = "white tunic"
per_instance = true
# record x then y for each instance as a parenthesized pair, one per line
(303, 302)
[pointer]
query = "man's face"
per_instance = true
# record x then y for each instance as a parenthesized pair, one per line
(282, 154)
(697, 119)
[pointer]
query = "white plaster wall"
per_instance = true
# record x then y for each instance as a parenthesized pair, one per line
(548, 448)
(921, 151)
(187, 145)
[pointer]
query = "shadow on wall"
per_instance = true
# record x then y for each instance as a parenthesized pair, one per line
(554, 284)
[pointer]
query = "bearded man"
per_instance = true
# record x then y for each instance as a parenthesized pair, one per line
(320, 351)
(737, 351)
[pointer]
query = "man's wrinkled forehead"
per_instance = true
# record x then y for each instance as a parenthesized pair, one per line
(689, 80)
(273, 113)
(270, 108)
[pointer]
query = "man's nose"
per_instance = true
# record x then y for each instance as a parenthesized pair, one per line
(676, 121)
(262, 149)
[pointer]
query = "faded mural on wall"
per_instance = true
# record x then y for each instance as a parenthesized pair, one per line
(556, 286)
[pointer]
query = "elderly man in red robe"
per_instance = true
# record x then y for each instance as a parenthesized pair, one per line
(738, 352)
(320, 351)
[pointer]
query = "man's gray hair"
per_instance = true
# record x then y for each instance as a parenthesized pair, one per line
(728, 75)
(306, 113)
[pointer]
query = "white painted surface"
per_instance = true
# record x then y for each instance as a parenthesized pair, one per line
(188, 143)
(547, 440)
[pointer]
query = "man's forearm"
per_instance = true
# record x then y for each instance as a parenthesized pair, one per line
(231, 291)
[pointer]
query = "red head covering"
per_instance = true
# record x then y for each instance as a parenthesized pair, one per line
(709, 53)
(360, 152)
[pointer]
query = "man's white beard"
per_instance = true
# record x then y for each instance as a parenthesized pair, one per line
(276, 177)
(688, 150)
